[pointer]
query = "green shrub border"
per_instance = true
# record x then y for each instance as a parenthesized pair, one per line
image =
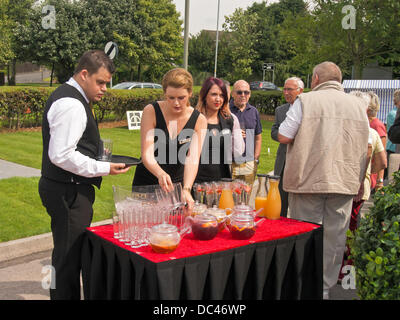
(23, 106)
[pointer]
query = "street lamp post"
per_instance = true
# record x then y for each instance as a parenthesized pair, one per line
(216, 44)
(186, 36)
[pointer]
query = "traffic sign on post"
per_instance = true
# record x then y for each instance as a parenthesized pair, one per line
(270, 66)
(111, 49)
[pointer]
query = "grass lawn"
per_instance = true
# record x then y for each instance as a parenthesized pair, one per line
(21, 211)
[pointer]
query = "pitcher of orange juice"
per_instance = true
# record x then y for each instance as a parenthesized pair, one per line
(261, 196)
(273, 205)
(226, 200)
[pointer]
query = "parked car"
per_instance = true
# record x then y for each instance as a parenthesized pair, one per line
(263, 85)
(137, 85)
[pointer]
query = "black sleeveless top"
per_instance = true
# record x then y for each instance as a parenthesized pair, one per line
(169, 153)
(216, 153)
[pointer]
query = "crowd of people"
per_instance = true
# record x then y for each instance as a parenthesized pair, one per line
(331, 144)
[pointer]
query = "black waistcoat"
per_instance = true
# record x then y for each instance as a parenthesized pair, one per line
(87, 145)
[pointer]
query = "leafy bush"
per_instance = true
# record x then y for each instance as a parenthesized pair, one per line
(375, 246)
(23, 106)
(266, 101)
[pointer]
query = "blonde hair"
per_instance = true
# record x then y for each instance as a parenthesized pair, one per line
(374, 104)
(178, 78)
(396, 96)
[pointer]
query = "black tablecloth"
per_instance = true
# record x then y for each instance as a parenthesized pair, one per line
(288, 268)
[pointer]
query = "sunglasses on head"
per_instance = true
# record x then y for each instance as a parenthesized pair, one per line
(240, 92)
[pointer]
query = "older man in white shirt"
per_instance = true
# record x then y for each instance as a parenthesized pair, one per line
(292, 88)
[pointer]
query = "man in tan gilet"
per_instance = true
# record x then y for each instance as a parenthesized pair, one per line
(327, 135)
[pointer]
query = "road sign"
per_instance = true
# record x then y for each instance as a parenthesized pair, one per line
(111, 49)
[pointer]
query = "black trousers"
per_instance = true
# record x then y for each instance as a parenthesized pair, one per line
(284, 197)
(70, 208)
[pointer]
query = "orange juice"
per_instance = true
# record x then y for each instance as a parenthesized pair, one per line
(273, 205)
(226, 200)
(261, 202)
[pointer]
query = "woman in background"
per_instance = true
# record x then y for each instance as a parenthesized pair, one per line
(375, 123)
(224, 136)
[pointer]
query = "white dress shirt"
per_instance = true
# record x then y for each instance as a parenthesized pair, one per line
(291, 124)
(237, 138)
(67, 121)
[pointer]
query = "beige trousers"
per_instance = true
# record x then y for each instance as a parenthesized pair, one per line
(333, 211)
(246, 171)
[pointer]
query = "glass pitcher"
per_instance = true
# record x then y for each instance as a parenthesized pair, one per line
(273, 206)
(198, 208)
(262, 193)
(226, 200)
(242, 226)
(220, 214)
(203, 226)
(165, 238)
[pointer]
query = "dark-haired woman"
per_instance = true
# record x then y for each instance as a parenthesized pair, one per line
(224, 137)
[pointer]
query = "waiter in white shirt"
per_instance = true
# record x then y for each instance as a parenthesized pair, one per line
(71, 143)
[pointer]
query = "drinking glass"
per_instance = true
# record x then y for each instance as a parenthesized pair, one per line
(116, 223)
(121, 194)
(209, 194)
(172, 203)
(237, 189)
(106, 146)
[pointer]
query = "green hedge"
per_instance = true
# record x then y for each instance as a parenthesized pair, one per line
(23, 106)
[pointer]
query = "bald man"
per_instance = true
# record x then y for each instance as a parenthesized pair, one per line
(327, 135)
(245, 168)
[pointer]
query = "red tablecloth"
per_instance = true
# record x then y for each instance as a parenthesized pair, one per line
(266, 231)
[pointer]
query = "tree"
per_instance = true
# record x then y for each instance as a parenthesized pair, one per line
(349, 33)
(6, 53)
(147, 33)
(57, 48)
(16, 12)
(201, 52)
(244, 36)
(271, 47)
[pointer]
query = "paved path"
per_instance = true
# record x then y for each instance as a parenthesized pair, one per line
(10, 169)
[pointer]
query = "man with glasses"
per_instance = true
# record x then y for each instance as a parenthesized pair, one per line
(249, 119)
(292, 88)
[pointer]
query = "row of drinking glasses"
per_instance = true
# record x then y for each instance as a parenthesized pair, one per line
(137, 212)
(135, 218)
(209, 193)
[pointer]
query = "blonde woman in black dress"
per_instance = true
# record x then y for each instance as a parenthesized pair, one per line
(172, 134)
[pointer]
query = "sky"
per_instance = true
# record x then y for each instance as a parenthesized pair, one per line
(203, 13)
